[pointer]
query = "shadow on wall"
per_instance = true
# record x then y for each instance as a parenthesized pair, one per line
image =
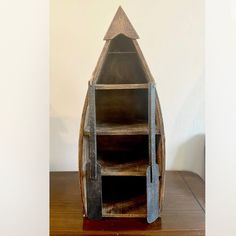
(191, 154)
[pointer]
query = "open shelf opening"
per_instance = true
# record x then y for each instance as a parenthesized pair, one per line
(123, 155)
(124, 195)
(122, 64)
(121, 43)
(122, 106)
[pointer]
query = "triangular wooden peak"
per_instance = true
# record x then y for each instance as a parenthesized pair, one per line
(121, 25)
(121, 61)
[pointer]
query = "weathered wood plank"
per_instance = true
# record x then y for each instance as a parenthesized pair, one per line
(129, 168)
(121, 129)
(93, 169)
(120, 86)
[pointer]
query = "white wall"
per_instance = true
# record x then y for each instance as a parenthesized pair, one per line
(172, 40)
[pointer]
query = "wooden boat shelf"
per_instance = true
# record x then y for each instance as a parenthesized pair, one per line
(122, 143)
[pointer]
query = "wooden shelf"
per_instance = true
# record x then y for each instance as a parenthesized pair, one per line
(120, 86)
(122, 53)
(129, 168)
(120, 129)
(134, 207)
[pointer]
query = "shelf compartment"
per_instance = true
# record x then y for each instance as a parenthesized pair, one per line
(123, 155)
(122, 106)
(122, 68)
(122, 64)
(124, 196)
(121, 43)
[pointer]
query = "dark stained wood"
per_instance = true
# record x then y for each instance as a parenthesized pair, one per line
(182, 213)
(120, 25)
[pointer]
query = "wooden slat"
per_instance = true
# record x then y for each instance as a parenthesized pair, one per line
(143, 62)
(121, 129)
(121, 53)
(129, 168)
(120, 86)
(100, 62)
(134, 207)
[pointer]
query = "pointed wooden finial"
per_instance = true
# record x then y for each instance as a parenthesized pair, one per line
(121, 25)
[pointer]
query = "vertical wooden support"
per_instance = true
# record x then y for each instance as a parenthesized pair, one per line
(152, 173)
(93, 169)
(92, 137)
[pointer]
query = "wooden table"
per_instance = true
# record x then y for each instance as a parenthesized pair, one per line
(183, 212)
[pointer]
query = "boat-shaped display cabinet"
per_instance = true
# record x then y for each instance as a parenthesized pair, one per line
(122, 144)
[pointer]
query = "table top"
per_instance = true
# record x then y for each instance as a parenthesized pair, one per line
(183, 210)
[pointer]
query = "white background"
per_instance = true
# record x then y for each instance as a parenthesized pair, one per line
(172, 40)
(24, 102)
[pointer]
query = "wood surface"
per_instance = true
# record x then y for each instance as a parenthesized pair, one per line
(183, 210)
(120, 53)
(120, 86)
(129, 168)
(121, 25)
(122, 68)
(120, 129)
(122, 106)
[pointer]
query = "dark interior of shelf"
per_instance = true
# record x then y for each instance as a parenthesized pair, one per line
(123, 194)
(122, 106)
(119, 149)
(121, 43)
(123, 68)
